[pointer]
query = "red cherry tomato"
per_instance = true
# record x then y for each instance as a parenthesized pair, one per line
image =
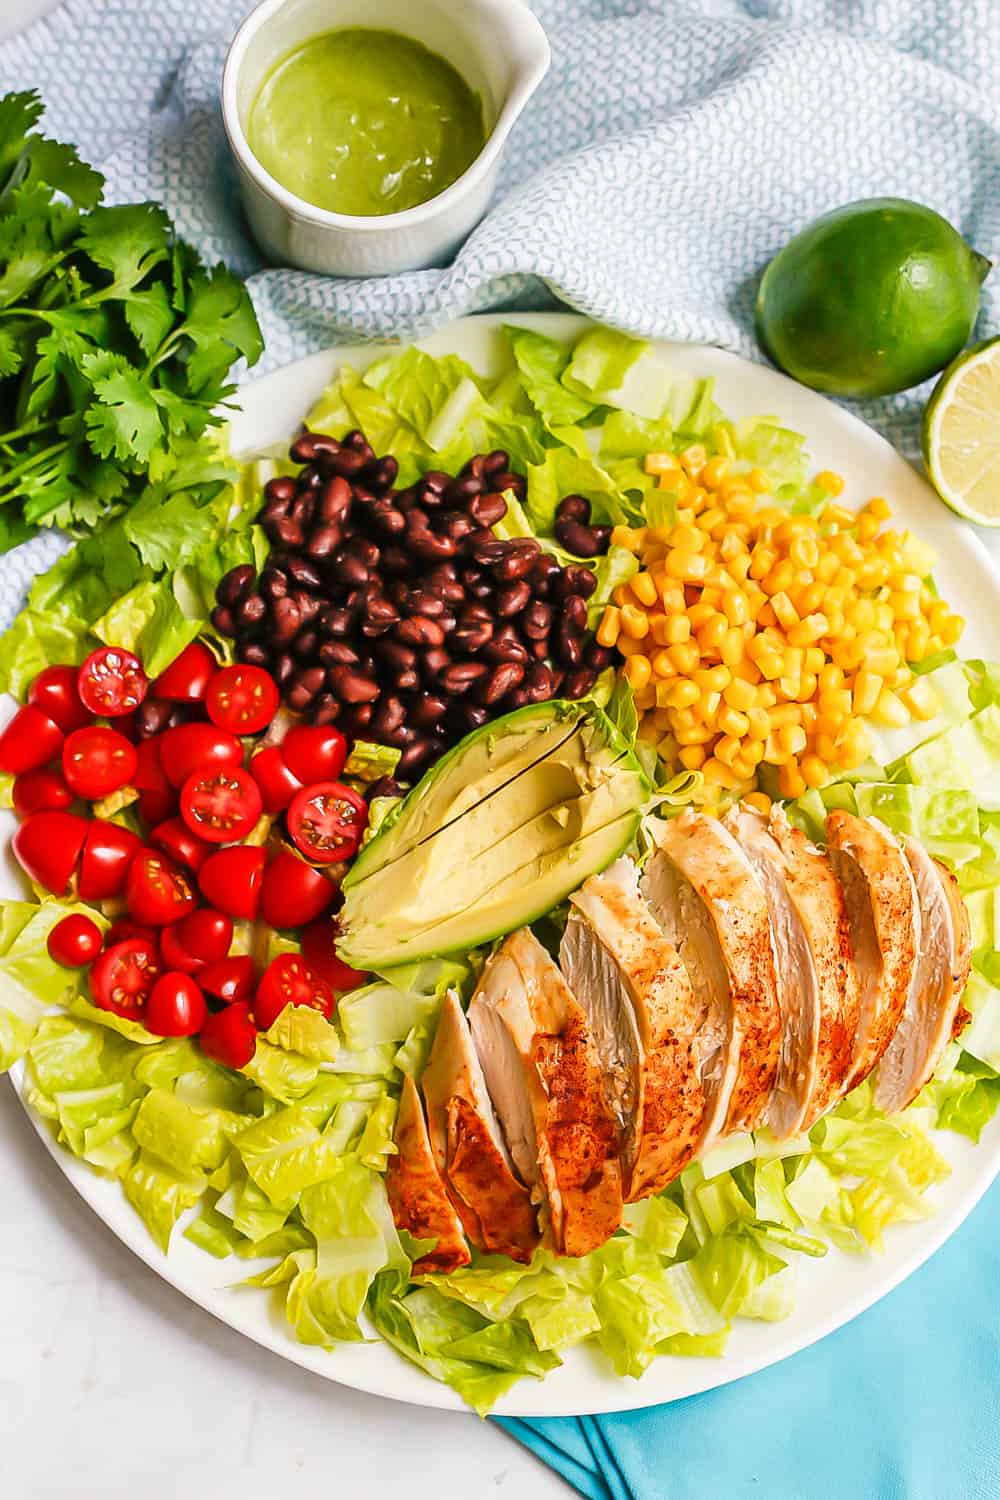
(220, 805)
(314, 753)
(242, 699)
(319, 949)
(97, 761)
(327, 821)
(149, 773)
(112, 682)
(277, 784)
(158, 891)
(206, 934)
(197, 747)
(108, 851)
(158, 807)
(38, 789)
(175, 838)
(293, 893)
(175, 955)
(28, 741)
(288, 980)
(232, 879)
(74, 941)
(47, 846)
(229, 979)
(124, 929)
(176, 1006)
(123, 976)
(230, 1036)
(56, 693)
(187, 676)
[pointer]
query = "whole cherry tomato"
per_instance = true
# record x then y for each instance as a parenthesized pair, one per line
(157, 891)
(149, 773)
(97, 761)
(157, 807)
(176, 1006)
(229, 978)
(124, 929)
(314, 752)
(108, 851)
(38, 789)
(293, 893)
(199, 939)
(74, 941)
(288, 980)
(197, 747)
(56, 693)
(29, 740)
(242, 699)
(175, 838)
(327, 821)
(221, 804)
(187, 676)
(319, 949)
(230, 1036)
(112, 682)
(277, 783)
(47, 846)
(231, 880)
(123, 977)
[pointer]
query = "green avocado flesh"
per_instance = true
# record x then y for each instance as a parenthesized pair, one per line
(499, 832)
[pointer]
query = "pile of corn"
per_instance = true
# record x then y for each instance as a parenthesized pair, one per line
(754, 637)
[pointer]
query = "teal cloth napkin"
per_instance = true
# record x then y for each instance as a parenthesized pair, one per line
(902, 1404)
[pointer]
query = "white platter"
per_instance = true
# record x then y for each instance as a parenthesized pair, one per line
(831, 1291)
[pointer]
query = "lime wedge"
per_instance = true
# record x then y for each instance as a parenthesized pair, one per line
(962, 434)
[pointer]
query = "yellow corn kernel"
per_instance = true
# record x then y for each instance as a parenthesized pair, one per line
(829, 676)
(937, 614)
(867, 686)
(712, 679)
(878, 657)
(699, 735)
(835, 701)
(951, 630)
(718, 774)
(663, 666)
(634, 622)
(676, 629)
(712, 518)
(784, 714)
(734, 606)
(759, 481)
(904, 606)
(672, 598)
(809, 630)
(879, 508)
(661, 692)
(638, 670)
(629, 647)
(804, 552)
(759, 723)
(921, 699)
(792, 738)
(759, 801)
(694, 459)
(659, 626)
(731, 721)
(712, 634)
(917, 641)
(692, 757)
(739, 695)
(866, 529)
(814, 771)
(625, 536)
(774, 753)
(733, 647)
(686, 538)
(791, 782)
(762, 560)
(726, 749)
(610, 627)
(684, 718)
(770, 663)
(827, 567)
(752, 752)
(713, 473)
(644, 588)
(807, 688)
(833, 484)
(780, 579)
(890, 710)
(848, 654)
(784, 610)
(810, 713)
(683, 694)
(661, 463)
(813, 659)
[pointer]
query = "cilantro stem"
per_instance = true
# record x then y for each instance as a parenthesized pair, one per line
(15, 474)
(27, 430)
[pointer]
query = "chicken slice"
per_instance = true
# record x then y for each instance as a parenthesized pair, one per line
(648, 1025)
(494, 1206)
(817, 985)
(884, 914)
(543, 1074)
(417, 1195)
(934, 1001)
(705, 896)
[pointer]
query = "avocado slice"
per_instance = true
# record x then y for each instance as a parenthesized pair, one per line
(501, 830)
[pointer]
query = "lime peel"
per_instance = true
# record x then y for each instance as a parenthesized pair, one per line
(961, 434)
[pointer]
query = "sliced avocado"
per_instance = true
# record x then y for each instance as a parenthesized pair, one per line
(502, 829)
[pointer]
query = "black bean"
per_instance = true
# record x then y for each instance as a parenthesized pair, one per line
(337, 654)
(352, 686)
(396, 656)
(428, 547)
(427, 710)
(435, 661)
(380, 615)
(598, 657)
(286, 618)
(581, 540)
(536, 621)
(280, 490)
(305, 644)
(574, 612)
(250, 611)
(580, 579)
(518, 560)
(254, 654)
(462, 675)
(574, 508)
(303, 573)
(388, 717)
(424, 602)
(324, 540)
(283, 667)
(235, 584)
(579, 682)
(273, 583)
(287, 532)
(512, 598)
(382, 475)
(305, 685)
(488, 509)
(568, 649)
(222, 619)
(325, 709)
(471, 635)
(505, 647)
(503, 678)
(415, 757)
(387, 520)
(540, 682)
(153, 717)
(419, 630)
(505, 480)
(335, 500)
(385, 786)
(495, 462)
(487, 550)
(456, 525)
(396, 562)
(349, 570)
(460, 491)
(435, 480)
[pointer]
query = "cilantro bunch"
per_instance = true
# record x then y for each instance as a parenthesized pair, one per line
(115, 340)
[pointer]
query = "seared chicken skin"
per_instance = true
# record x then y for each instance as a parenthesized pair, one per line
(933, 1010)
(544, 1077)
(884, 913)
(652, 1031)
(706, 898)
(417, 1195)
(817, 985)
(493, 1204)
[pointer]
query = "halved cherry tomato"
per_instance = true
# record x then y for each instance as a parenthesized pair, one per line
(232, 879)
(47, 846)
(176, 1006)
(277, 783)
(293, 893)
(74, 941)
(229, 1036)
(242, 699)
(34, 790)
(319, 949)
(220, 805)
(314, 752)
(158, 891)
(56, 692)
(229, 979)
(187, 676)
(108, 851)
(112, 682)
(123, 977)
(197, 747)
(175, 838)
(29, 740)
(97, 761)
(124, 929)
(288, 980)
(149, 773)
(327, 821)
(156, 807)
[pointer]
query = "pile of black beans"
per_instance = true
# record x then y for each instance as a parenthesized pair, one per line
(398, 614)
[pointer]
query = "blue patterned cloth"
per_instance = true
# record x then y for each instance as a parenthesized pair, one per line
(671, 151)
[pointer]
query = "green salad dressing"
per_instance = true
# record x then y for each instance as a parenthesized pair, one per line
(365, 122)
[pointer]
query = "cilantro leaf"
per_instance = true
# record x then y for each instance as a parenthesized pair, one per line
(150, 316)
(124, 420)
(221, 323)
(168, 529)
(127, 240)
(12, 355)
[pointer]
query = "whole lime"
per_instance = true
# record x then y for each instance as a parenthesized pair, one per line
(872, 298)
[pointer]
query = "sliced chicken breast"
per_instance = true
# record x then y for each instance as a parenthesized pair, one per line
(494, 1205)
(417, 1194)
(543, 1073)
(705, 896)
(816, 982)
(935, 997)
(650, 1028)
(884, 914)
